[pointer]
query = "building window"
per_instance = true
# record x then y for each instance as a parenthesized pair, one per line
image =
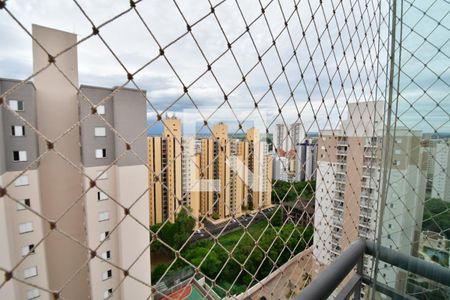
(32, 294)
(107, 294)
(16, 105)
(20, 155)
(101, 196)
(103, 216)
(100, 131)
(101, 109)
(28, 249)
(104, 236)
(25, 227)
(22, 180)
(30, 272)
(106, 255)
(23, 204)
(101, 176)
(100, 153)
(18, 130)
(107, 275)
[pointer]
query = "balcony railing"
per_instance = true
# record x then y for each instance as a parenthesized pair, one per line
(333, 276)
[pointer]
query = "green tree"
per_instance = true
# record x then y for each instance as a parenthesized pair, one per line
(174, 234)
(436, 216)
(215, 215)
(158, 272)
(277, 218)
(283, 191)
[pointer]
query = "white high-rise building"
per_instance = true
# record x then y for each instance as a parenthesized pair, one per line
(402, 219)
(280, 138)
(305, 160)
(440, 161)
(94, 180)
(310, 160)
(297, 135)
(290, 142)
(287, 138)
(280, 168)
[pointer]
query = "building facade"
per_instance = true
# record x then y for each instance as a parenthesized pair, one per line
(82, 180)
(165, 173)
(291, 142)
(21, 230)
(348, 180)
(280, 138)
(219, 176)
(118, 168)
(280, 168)
(440, 160)
(305, 160)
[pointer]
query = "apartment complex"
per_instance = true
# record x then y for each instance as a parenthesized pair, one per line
(288, 137)
(21, 230)
(214, 176)
(164, 166)
(347, 168)
(97, 172)
(438, 167)
(114, 155)
(405, 198)
(306, 160)
(280, 168)
(294, 153)
(280, 138)
(348, 180)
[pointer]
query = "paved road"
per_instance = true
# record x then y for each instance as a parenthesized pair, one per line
(215, 229)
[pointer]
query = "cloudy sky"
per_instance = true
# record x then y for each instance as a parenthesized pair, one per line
(322, 91)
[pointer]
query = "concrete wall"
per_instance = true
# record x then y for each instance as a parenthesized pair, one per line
(130, 120)
(27, 94)
(134, 237)
(11, 241)
(60, 182)
(95, 228)
(89, 141)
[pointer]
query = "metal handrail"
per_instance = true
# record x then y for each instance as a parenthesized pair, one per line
(329, 279)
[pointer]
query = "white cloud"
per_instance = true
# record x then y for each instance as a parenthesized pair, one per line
(306, 75)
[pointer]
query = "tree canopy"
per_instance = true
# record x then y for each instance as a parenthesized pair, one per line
(436, 216)
(290, 191)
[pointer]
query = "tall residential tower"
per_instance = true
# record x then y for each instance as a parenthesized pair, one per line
(65, 188)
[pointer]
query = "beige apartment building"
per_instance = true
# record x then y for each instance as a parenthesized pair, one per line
(82, 191)
(120, 175)
(348, 181)
(217, 176)
(165, 174)
(239, 171)
(191, 175)
(221, 170)
(347, 171)
(20, 229)
(259, 194)
(206, 176)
